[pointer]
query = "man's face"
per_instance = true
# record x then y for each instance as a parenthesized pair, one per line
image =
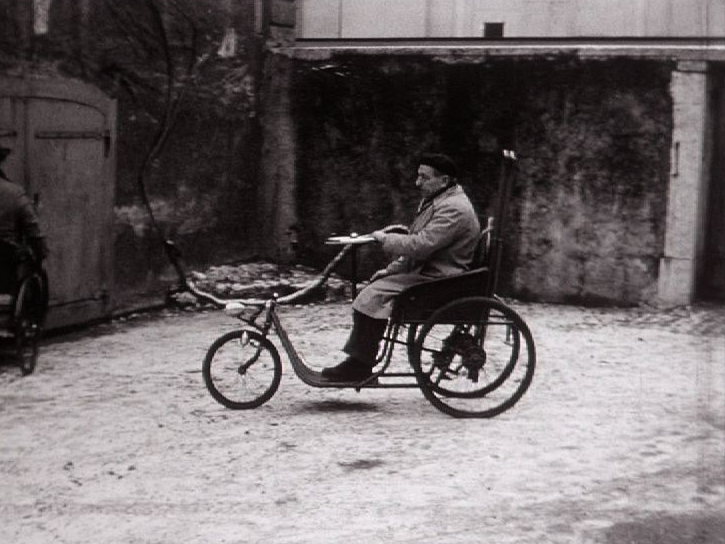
(429, 180)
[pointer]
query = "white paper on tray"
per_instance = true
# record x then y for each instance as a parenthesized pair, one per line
(344, 240)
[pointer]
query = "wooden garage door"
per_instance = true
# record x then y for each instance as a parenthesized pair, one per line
(62, 135)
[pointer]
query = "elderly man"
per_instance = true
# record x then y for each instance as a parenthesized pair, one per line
(441, 242)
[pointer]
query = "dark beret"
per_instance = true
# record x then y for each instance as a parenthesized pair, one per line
(442, 163)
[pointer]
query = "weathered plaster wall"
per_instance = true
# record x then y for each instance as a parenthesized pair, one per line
(202, 191)
(586, 221)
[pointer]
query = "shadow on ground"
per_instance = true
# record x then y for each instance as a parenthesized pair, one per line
(338, 406)
(695, 529)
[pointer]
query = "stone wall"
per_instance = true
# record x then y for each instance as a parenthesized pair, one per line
(586, 221)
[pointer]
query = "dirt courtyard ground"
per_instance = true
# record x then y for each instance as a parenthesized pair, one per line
(620, 439)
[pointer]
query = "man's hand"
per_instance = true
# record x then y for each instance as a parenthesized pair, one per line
(379, 274)
(379, 235)
(396, 229)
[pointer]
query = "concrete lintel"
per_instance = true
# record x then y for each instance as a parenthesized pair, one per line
(692, 53)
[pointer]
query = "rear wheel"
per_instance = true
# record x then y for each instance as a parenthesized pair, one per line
(31, 305)
(242, 369)
(27, 349)
(474, 357)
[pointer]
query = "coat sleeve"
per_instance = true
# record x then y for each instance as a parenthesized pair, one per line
(29, 226)
(438, 233)
(27, 219)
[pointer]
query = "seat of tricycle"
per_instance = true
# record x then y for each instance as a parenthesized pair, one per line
(418, 302)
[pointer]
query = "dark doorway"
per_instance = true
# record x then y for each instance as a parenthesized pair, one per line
(711, 277)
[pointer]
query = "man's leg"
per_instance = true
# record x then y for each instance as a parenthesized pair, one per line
(361, 347)
(371, 310)
(364, 340)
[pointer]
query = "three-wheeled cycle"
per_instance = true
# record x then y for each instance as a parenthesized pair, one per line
(469, 352)
(23, 305)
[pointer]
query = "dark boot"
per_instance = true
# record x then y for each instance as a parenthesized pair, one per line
(362, 348)
(350, 370)
(364, 339)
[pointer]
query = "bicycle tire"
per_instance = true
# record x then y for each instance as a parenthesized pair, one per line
(503, 351)
(28, 317)
(234, 376)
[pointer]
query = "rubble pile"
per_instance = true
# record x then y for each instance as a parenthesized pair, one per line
(263, 280)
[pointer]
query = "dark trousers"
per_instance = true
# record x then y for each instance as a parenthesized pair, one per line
(364, 339)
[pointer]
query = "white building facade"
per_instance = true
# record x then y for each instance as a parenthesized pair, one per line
(349, 19)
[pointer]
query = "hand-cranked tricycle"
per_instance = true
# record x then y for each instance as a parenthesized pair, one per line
(470, 354)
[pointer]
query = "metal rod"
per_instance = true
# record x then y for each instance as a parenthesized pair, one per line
(504, 193)
(353, 266)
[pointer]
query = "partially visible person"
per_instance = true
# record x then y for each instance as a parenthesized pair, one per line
(441, 242)
(19, 226)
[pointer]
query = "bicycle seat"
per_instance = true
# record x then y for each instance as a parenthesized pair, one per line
(416, 303)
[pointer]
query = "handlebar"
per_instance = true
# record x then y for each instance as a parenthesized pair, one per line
(321, 278)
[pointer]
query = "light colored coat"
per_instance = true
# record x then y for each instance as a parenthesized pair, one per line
(441, 243)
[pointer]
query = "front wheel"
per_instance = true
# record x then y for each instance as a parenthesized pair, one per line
(242, 369)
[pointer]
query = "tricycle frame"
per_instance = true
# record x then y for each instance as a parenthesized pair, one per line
(448, 345)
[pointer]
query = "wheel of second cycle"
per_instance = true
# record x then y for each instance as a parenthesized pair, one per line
(474, 357)
(26, 348)
(28, 315)
(242, 369)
